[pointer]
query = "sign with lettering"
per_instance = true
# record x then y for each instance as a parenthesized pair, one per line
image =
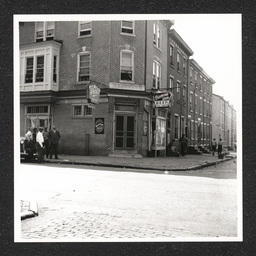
(94, 94)
(163, 99)
(99, 125)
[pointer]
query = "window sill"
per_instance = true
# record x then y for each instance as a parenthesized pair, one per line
(157, 48)
(85, 36)
(82, 117)
(127, 34)
(82, 82)
(126, 82)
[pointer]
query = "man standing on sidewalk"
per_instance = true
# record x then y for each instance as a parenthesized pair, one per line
(183, 144)
(39, 145)
(54, 137)
(214, 146)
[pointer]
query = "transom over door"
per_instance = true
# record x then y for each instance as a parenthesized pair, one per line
(124, 137)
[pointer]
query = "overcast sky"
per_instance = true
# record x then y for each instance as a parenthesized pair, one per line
(215, 40)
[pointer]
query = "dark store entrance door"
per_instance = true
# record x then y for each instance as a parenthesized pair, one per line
(125, 132)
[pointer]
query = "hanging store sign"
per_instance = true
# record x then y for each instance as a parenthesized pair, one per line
(99, 125)
(94, 94)
(163, 100)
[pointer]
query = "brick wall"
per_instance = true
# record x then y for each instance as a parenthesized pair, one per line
(136, 44)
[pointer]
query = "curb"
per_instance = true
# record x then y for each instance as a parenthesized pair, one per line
(32, 211)
(141, 167)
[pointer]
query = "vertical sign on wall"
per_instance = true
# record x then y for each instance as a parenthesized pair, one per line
(99, 125)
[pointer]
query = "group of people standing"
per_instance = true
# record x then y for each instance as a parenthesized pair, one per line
(184, 145)
(46, 143)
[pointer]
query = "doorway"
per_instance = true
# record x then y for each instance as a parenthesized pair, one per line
(125, 132)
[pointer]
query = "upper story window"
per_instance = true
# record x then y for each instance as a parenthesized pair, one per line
(204, 86)
(127, 26)
(156, 35)
(126, 66)
(191, 101)
(178, 86)
(84, 66)
(184, 66)
(200, 82)
(191, 75)
(171, 54)
(34, 74)
(178, 61)
(85, 28)
(156, 75)
(171, 82)
(184, 90)
(44, 31)
(39, 68)
(54, 69)
(196, 75)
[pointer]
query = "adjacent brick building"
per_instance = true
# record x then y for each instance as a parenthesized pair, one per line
(224, 121)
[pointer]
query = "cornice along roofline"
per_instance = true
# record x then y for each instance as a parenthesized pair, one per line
(173, 33)
(195, 64)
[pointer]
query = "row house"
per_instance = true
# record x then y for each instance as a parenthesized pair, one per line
(224, 121)
(179, 56)
(199, 106)
(192, 92)
(95, 80)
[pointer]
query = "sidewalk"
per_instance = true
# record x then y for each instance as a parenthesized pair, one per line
(190, 162)
(149, 164)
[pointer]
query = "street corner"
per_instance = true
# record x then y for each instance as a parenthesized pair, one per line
(29, 209)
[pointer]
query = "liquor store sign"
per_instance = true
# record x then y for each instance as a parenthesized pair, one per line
(163, 100)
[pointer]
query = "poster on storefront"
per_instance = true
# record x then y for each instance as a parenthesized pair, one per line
(99, 125)
(160, 133)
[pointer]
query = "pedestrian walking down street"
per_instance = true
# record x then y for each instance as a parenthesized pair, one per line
(183, 144)
(220, 146)
(46, 142)
(39, 145)
(214, 146)
(54, 137)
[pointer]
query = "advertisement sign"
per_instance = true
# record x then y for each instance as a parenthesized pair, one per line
(94, 94)
(99, 125)
(163, 100)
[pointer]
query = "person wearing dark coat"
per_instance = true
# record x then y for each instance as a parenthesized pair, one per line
(183, 144)
(54, 137)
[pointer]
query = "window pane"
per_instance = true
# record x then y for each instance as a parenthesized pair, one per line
(126, 59)
(50, 25)
(40, 69)
(39, 26)
(126, 23)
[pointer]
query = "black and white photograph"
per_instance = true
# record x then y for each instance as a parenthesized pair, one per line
(128, 128)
